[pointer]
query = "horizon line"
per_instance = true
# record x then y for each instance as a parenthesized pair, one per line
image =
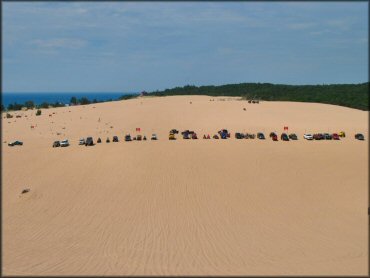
(137, 92)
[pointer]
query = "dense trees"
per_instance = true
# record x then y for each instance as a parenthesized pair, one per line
(44, 105)
(15, 106)
(84, 100)
(350, 95)
(73, 100)
(29, 104)
(128, 96)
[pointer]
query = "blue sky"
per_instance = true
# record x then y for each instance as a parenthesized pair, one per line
(135, 46)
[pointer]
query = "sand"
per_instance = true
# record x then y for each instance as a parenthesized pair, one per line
(185, 207)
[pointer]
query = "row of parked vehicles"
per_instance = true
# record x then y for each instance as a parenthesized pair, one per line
(223, 134)
(139, 137)
(63, 143)
(283, 137)
(333, 136)
(188, 134)
(89, 141)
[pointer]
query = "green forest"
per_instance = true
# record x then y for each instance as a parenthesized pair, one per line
(349, 95)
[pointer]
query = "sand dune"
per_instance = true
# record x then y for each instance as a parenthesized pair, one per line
(185, 207)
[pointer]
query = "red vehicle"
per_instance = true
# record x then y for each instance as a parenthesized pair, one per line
(318, 136)
(194, 136)
(274, 136)
(335, 136)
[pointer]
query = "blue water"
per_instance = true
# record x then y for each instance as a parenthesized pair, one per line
(39, 98)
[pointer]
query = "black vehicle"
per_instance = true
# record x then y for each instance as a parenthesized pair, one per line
(284, 137)
(56, 144)
(99, 140)
(185, 131)
(223, 131)
(174, 131)
(15, 143)
(115, 139)
(327, 136)
(128, 137)
(89, 141)
(359, 136)
(107, 141)
(260, 136)
(144, 138)
(224, 134)
(238, 135)
(293, 136)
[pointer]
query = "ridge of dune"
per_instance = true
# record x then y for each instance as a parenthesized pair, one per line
(185, 207)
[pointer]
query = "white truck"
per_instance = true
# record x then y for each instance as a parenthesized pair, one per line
(64, 143)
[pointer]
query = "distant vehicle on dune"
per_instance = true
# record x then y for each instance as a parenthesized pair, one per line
(128, 137)
(56, 144)
(261, 136)
(64, 143)
(273, 136)
(171, 136)
(335, 136)
(89, 141)
(284, 137)
(359, 136)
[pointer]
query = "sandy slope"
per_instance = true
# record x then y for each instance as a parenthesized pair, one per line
(242, 207)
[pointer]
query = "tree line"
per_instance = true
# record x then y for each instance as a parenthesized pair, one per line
(349, 95)
(73, 101)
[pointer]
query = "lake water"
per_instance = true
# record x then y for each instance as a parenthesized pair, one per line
(39, 98)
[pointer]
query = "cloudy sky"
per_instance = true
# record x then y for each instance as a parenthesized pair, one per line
(135, 46)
